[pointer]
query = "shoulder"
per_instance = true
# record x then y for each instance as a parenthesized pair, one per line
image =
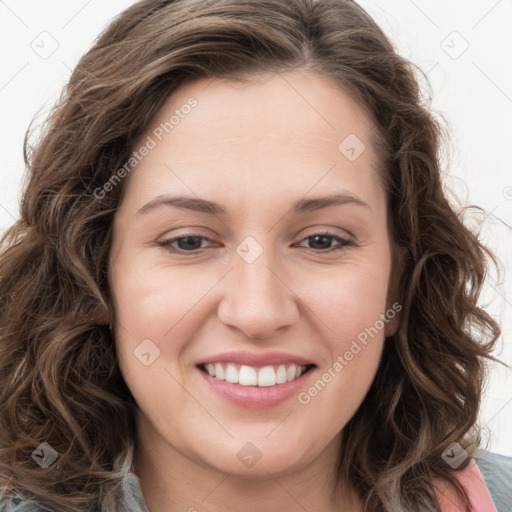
(487, 480)
(20, 506)
(128, 498)
(496, 471)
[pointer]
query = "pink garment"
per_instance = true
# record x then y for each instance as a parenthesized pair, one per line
(474, 483)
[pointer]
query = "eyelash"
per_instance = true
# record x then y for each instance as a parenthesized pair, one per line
(166, 244)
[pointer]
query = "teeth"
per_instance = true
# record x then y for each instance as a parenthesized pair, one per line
(248, 376)
(232, 374)
(267, 376)
(281, 377)
(219, 372)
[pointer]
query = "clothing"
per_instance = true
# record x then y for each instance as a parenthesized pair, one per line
(474, 483)
(487, 479)
(497, 472)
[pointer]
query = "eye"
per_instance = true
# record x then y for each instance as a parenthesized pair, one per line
(189, 243)
(192, 243)
(323, 241)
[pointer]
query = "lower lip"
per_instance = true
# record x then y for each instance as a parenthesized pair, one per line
(256, 397)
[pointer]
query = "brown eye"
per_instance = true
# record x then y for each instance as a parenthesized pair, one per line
(322, 242)
(187, 244)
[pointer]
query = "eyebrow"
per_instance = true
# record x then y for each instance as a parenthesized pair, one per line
(210, 207)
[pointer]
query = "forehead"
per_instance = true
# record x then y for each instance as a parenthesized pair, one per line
(299, 106)
(281, 130)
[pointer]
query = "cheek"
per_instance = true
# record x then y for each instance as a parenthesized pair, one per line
(159, 302)
(153, 307)
(349, 299)
(151, 300)
(353, 333)
(338, 391)
(351, 308)
(152, 311)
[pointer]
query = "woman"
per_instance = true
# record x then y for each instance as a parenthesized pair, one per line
(320, 348)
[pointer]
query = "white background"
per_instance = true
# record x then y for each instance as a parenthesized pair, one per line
(472, 90)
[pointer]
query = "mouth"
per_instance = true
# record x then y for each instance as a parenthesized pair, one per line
(257, 376)
(255, 381)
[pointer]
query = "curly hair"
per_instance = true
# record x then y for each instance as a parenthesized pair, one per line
(60, 380)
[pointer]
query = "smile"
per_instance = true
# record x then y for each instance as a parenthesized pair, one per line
(244, 375)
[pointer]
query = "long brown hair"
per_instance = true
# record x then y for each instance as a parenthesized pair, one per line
(60, 381)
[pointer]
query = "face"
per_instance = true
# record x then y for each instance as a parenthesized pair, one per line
(250, 269)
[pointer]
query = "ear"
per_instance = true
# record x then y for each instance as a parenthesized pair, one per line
(393, 304)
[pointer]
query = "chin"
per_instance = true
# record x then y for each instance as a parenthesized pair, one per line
(257, 456)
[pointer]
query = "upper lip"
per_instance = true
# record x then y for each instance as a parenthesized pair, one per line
(251, 359)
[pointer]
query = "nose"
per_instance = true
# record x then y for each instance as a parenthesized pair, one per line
(257, 299)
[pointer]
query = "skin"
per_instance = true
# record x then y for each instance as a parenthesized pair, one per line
(255, 148)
